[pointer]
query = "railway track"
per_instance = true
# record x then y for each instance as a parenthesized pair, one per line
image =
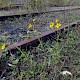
(35, 40)
(19, 12)
(45, 34)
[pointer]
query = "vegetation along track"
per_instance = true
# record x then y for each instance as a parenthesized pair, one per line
(46, 61)
(16, 30)
(49, 59)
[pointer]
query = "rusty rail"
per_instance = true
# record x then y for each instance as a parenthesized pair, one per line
(35, 40)
(24, 12)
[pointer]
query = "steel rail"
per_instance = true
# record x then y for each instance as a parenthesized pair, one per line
(34, 41)
(24, 12)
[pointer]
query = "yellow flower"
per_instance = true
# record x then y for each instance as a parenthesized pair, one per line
(30, 26)
(57, 25)
(34, 19)
(57, 21)
(51, 24)
(2, 46)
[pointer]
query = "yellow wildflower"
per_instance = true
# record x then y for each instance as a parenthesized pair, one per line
(57, 21)
(2, 46)
(34, 19)
(51, 24)
(30, 26)
(57, 25)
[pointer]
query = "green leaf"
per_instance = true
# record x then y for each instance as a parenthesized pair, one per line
(44, 79)
(15, 61)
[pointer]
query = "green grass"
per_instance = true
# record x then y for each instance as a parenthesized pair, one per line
(47, 60)
(4, 3)
(39, 4)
